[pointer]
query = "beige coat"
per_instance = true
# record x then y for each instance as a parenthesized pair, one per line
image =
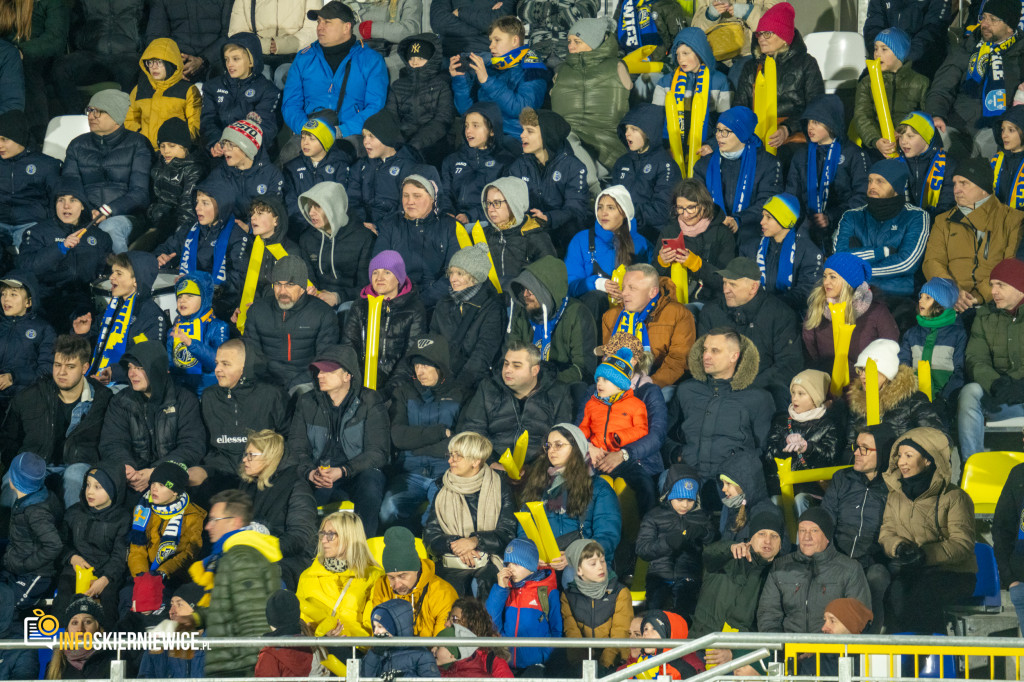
(757, 8)
(282, 20)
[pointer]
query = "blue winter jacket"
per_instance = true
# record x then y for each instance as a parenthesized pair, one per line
(649, 176)
(948, 353)
(602, 522)
(647, 450)
(312, 86)
(300, 174)
(261, 178)
(894, 248)
(518, 611)
(26, 341)
(227, 99)
(12, 78)
(579, 260)
(512, 89)
(192, 366)
(375, 185)
(27, 182)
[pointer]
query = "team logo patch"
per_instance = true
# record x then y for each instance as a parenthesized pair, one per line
(90, 240)
(556, 176)
(30, 169)
(689, 485)
(30, 334)
(261, 189)
(490, 164)
(329, 169)
(647, 168)
(251, 92)
(394, 170)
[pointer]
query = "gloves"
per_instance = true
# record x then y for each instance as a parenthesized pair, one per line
(998, 394)
(908, 557)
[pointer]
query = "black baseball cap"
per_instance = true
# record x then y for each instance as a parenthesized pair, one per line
(740, 268)
(335, 9)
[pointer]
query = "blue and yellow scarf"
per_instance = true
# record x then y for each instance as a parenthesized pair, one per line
(520, 56)
(113, 337)
(636, 323)
(173, 513)
(190, 252)
(1016, 196)
(984, 76)
(817, 190)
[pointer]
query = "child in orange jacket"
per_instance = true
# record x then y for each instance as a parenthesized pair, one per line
(614, 417)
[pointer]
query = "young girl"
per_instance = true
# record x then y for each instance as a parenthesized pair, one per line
(595, 604)
(163, 94)
(931, 170)
(394, 618)
(1008, 164)
(514, 236)
(744, 495)
(939, 338)
(481, 160)
(196, 334)
(613, 417)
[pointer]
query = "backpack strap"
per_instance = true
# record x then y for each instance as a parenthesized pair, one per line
(595, 267)
(341, 91)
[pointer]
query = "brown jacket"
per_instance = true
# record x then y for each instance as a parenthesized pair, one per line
(940, 521)
(671, 330)
(955, 250)
(140, 557)
(595, 620)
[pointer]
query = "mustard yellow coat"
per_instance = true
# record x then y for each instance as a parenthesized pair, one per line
(153, 101)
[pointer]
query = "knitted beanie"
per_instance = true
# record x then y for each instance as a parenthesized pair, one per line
(321, 131)
(171, 475)
(175, 131)
(114, 102)
(921, 123)
(522, 553)
(785, 208)
(896, 173)
(590, 31)
(385, 127)
(475, 259)
(780, 19)
(27, 472)
(977, 171)
(618, 369)
(399, 551)
(14, 126)
(740, 120)
(390, 261)
(683, 489)
(885, 353)
(851, 268)
(246, 135)
(851, 613)
(821, 518)
(897, 40)
(816, 384)
(943, 290)
(1010, 271)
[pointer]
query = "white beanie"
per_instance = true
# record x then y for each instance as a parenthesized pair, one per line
(885, 353)
(621, 196)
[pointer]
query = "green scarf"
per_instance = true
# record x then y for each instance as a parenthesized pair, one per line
(933, 324)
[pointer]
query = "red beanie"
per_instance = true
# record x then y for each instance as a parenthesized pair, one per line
(779, 19)
(1010, 271)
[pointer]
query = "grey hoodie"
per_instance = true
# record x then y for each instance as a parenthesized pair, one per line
(516, 193)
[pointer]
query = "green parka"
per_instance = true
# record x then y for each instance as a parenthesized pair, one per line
(731, 590)
(905, 91)
(996, 346)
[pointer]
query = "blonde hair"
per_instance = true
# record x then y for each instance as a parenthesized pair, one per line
(352, 540)
(471, 446)
(817, 302)
(271, 444)
(16, 18)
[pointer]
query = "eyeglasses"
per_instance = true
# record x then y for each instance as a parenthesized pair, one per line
(455, 456)
(721, 131)
(328, 535)
(455, 619)
(251, 455)
(767, 35)
(496, 203)
(93, 111)
(152, 62)
(691, 210)
(862, 449)
(213, 519)
(548, 447)
(228, 145)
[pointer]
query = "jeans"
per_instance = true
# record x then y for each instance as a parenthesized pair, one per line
(72, 478)
(1017, 597)
(118, 227)
(404, 498)
(15, 232)
(971, 419)
(365, 491)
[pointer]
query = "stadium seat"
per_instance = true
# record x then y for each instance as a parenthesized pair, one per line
(984, 476)
(840, 55)
(376, 546)
(1006, 425)
(60, 131)
(986, 590)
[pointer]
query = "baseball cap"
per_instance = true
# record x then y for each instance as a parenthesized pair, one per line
(335, 9)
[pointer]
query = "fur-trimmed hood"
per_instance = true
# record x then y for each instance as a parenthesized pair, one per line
(746, 369)
(891, 394)
(937, 445)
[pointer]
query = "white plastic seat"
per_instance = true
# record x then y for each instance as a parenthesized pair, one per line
(840, 56)
(60, 131)
(1013, 424)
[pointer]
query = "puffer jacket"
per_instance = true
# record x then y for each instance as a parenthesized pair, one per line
(27, 184)
(521, 242)
(925, 22)
(744, 469)
(26, 342)
(941, 520)
(966, 248)
(873, 321)
(474, 332)
(807, 268)
(483, 663)
(227, 99)
(647, 450)
(34, 542)
(174, 190)
(730, 592)
(996, 346)
(601, 522)
(113, 169)
(421, 98)
(100, 536)
(571, 350)
(246, 575)
(905, 90)
(466, 171)
(948, 353)
(799, 587)
(427, 245)
(512, 89)
(287, 509)
(593, 250)
(141, 557)
(527, 609)
(671, 329)
(261, 179)
(612, 426)
(375, 185)
(192, 365)
(716, 246)
(799, 81)
(153, 101)
(711, 418)
(826, 443)
(589, 94)
(340, 259)
(900, 404)
(466, 31)
(403, 319)
(490, 541)
(302, 175)
(662, 522)
(144, 432)
(320, 589)
(649, 176)
(197, 26)
(903, 236)
(286, 24)
(1005, 528)
(431, 599)
(917, 184)
(397, 662)
(108, 27)
(605, 618)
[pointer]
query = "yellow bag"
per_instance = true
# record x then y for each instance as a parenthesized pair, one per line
(727, 40)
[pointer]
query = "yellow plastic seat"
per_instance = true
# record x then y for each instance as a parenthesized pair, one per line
(376, 546)
(789, 478)
(984, 476)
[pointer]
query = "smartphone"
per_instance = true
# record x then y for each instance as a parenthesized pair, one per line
(679, 244)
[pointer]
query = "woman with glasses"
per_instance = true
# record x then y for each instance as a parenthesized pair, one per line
(577, 503)
(472, 517)
(515, 236)
(334, 591)
(281, 501)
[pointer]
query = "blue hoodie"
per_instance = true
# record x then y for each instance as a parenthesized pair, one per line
(192, 366)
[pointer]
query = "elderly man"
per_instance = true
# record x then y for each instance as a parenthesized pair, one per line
(967, 241)
(650, 312)
(770, 324)
(995, 359)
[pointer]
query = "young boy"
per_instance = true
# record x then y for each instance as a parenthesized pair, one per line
(647, 170)
(1008, 164)
(196, 334)
(939, 338)
(242, 92)
(323, 159)
(374, 187)
(163, 94)
(394, 618)
(268, 223)
(32, 176)
(556, 178)
(247, 172)
(515, 79)
(34, 543)
(594, 603)
(930, 166)
(337, 249)
(173, 179)
(608, 428)
(525, 603)
(167, 529)
(481, 160)
(421, 97)
(26, 339)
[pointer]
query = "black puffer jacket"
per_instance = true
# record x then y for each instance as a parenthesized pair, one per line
(100, 536)
(34, 543)
(490, 541)
(901, 406)
(466, 31)
(198, 27)
(654, 540)
(113, 169)
(289, 339)
(421, 98)
(287, 508)
(474, 333)
(143, 432)
(799, 81)
(826, 443)
(402, 320)
(108, 26)
(1005, 526)
(716, 246)
(174, 189)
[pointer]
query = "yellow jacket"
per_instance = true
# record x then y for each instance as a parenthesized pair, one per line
(320, 589)
(153, 101)
(431, 599)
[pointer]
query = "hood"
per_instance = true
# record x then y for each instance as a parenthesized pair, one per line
(168, 51)
(746, 470)
(621, 197)
(205, 283)
(934, 441)
(746, 369)
(433, 65)
(676, 472)
(145, 268)
(491, 112)
(331, 197)
(547, 278)
(344, 356)
(425, 172)
(1014, 115)
(889, 396)
(251, 43)
(434, 349)
(151, 356)
(670, 625)
(554, 130)
(696, 40)
(267, 545)
(516, 193)
(281, 213)
(116, 473)
(223, 193)
(828, 110)
(32, 284)
(71, 186)
(399, 611)
(648, 118)
(885, 438)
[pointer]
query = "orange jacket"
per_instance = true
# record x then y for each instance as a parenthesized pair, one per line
(611, 427)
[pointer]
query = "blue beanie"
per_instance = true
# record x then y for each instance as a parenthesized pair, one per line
(943, 290)
(618, 369)
(683, 489)
(897, 40)
(895, 172)
(28, 470)
(742, 122)
(382, 615)
(524, 553)
(852, 269)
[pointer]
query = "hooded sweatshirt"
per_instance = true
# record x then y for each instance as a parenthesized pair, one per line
(192, 365)
(398, 661)
(26, 341)
(466, 171)
(153, 101)
(340, 257)
(746, 471)
(301, 174)
(522, 240)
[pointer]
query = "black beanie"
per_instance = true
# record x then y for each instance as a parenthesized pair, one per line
(385, 127)
(105, 481)
(885, 438)
(283, 612)
(822, 519)
(554, 130)
(1007, 10)
(977, 169)
(175, 131)
(172, 475)
(659, 621)
(190, 593)
(14, 126)
(920, 448)
(768, 520)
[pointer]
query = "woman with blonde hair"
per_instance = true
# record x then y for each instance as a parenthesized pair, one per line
(334, 591)
(472, 517)
(281, 500)
(15, 24)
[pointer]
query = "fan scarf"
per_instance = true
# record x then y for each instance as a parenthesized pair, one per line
(745, 187)
(173, 513)
(784, 276)
(543, 331)
(675, 114)
(190, 252)
(1016, 197)
(985, 72)
(252, 275)
(521, 56)
(636, 26)
(113, 338)
(636, 323)
(932, 185)
(817, 190)
(194, 329)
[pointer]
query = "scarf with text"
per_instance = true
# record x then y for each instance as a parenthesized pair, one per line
(636, 323)
(984, 76)
(784, 276)
(190, 252)
(817, 188)
(173, 513)
(1015, 199)
(113, 337)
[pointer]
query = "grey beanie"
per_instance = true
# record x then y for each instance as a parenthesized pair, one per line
(424, 183)
(590, 31)
(577, 435)
(114, 102)
(516, 193)
(475, 260)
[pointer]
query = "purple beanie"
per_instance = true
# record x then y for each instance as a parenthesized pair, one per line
(390, 261)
